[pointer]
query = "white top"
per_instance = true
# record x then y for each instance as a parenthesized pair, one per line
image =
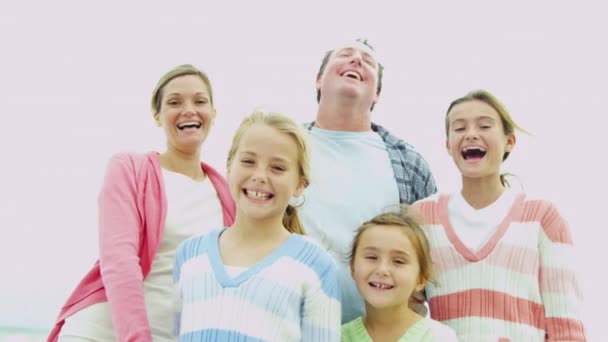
(234, 271)
(473, 226)
(193, 208)
(352, 181)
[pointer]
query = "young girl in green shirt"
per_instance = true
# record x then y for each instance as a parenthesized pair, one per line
(390, 259)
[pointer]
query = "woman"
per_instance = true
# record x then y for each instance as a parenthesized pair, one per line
(127, 296)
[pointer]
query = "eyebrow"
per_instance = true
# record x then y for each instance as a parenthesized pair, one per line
(195, 94)
(363, 52)
(484, 117)
(347, 49)
(251, 153)
(375, 249)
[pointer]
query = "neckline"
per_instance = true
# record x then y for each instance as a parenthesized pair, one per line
(174, 174)
(287, 248)
(412, 331)
(485, 250)
(341, 134)
(507, 196)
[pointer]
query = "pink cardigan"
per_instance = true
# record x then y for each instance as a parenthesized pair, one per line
(132, 209)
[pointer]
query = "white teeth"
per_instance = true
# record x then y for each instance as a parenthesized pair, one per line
(468, 148)
(381, 286)
(352, 74)
(257, 195)
(189, 124)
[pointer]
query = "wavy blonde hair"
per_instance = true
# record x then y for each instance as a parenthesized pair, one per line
(285, 125)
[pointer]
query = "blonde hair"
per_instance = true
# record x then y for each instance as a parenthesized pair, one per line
(409, 220)
(178, 71)
(285, 125)
(508, 124)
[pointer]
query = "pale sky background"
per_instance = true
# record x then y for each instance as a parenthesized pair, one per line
(76, 76)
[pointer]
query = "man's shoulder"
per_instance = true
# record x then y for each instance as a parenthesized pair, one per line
(391, 139)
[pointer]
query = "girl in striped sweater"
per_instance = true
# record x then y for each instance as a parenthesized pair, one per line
(503, 260)
(261, 279)
(390, 259)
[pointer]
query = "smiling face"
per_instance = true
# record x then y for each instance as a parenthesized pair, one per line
(264, 172)
(351, 71)
(186, 113)
(476, 139)
(385, 266)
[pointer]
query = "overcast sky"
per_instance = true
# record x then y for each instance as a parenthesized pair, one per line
(75, 81)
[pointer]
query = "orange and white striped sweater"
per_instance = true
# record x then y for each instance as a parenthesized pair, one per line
(519, 286)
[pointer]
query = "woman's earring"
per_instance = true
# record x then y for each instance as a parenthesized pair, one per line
(297, 201)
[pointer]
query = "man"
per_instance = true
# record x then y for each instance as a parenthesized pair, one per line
(358, 168)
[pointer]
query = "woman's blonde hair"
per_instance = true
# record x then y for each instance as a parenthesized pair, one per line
(285, 125)
(508, 124)
(409, 220)
(178, 71)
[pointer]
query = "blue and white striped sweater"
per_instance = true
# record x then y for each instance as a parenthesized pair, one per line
(291, 295)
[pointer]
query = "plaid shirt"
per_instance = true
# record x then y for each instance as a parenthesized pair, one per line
(412, 173)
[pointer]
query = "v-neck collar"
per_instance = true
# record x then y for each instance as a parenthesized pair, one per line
(287, 248)
(412, 332)
(515, 212)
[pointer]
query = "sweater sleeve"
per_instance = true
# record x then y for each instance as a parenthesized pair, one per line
(321, 311)
(120, 231)
(560, 292)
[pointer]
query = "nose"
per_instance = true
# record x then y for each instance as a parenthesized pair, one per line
(356, 59)
(259, 175)
(471, 134)
(382, 269)
(189, 108)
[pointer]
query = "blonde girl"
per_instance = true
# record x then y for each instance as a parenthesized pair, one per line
(261, 279)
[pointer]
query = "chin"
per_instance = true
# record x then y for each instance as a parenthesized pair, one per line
(379, 305)
(257, 213)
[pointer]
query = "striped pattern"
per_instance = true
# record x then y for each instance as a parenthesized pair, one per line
(520, 286)
(291, 295)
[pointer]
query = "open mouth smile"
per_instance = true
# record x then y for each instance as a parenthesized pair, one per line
(473, 152)
(257, 195)
(380, 286)
(352, 74)
(189, 124)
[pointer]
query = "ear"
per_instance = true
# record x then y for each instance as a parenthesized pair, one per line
(213, 114)
(511, 140)
(421, 283)
(157, 119)
(300, 188)
(318, 82)
(447, 147)
(376, 98)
